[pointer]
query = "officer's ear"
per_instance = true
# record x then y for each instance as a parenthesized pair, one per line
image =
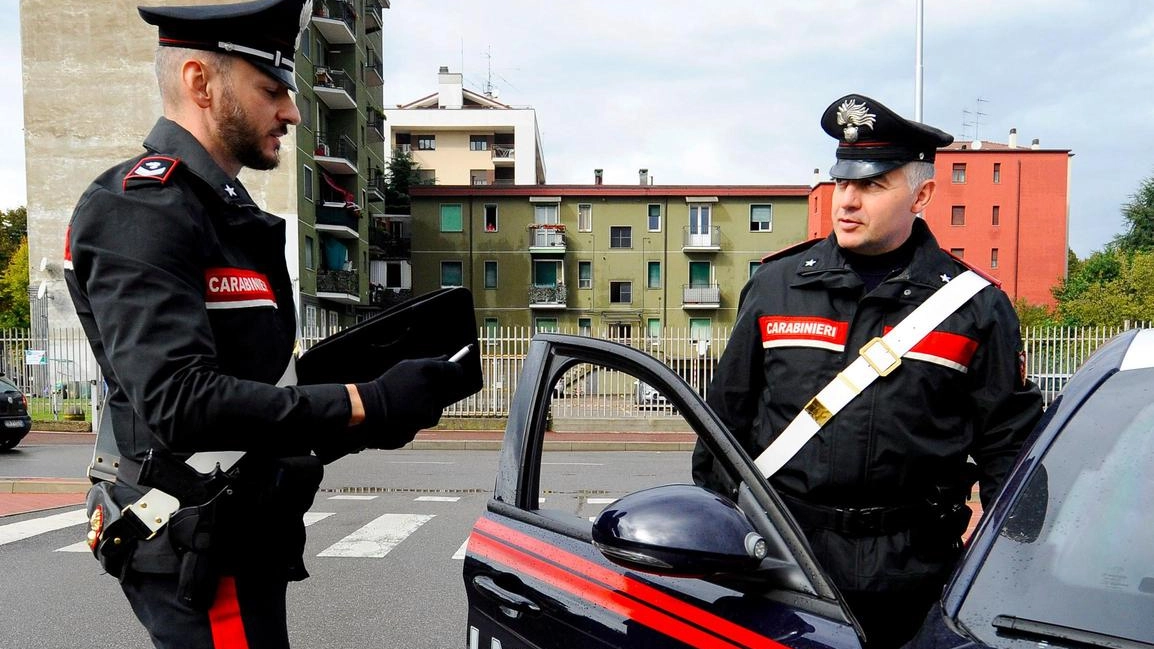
(195, 75)
(923, 196)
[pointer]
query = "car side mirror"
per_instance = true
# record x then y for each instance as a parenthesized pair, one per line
(678, 530)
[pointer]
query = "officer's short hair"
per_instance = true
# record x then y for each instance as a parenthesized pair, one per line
(169, 61)
(917, 173)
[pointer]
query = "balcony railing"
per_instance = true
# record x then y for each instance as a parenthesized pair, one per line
(338, 217)
(547, 296)
(347, 282)
(374, 69)
(503, 152)
(701, 296)
(376, 186)
(547, 237)
(335, 88)
(710, 239)
(373, 16)
(375, 126)
(380, 296)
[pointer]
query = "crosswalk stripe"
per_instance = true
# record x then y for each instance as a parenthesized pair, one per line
(25, 529)
(377, 538)
(352, 497)
(316, 517)
(437, 499)
(460, 553)
(600, 501)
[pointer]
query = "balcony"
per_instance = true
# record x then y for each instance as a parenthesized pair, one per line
(547, 238)
(383, 245)
(375, 126)
(503, 154)
(706, 239)
(703, 296)
(380, 296)
(342, 286)
(376, 186)
(374, 69)
(336, 21)
(547, 297)
(336, 153)
(373, 15)
(335, 88)
(338, 220)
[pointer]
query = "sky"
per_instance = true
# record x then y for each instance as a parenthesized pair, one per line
(731, 91)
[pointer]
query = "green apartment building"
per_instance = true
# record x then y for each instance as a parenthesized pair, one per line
(613, 260)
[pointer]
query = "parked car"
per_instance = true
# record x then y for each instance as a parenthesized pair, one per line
(14, 420)
(1051, 385)
(1064, 556)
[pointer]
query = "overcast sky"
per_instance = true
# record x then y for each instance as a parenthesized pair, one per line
(731, 91)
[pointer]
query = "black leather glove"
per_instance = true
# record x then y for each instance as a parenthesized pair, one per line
(408, 397)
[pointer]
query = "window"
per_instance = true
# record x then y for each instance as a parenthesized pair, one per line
(654, 275)
(621, 292)
(427, 176)
(621, 236)
(654, 218)
(405, 142)
(958, 215)
(997, 173)
(701, 330)
(761, 218)
(959, 172)
(490, 218)
(451, 218)
(311, 321)
(993, 258)
(426, 142)
(490, 274)
(479, 177)
(546, 213)
(334, 322)
(960, 253)
(584, 274)
(451, 274)
(478, 142)
(305, 106)
(490, 328)
(393, 274)
(700, 225)
(584, 326)
(653, 329)
(700, 274)
(996, 216)
(584, 217)
(306, 48)
(307, 182)
(310, 253)
(544, 325)
(753, 266)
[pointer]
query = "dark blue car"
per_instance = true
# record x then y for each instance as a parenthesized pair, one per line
(14, 420)
(1063, 558)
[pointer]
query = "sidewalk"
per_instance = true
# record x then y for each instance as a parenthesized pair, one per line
(19, 495)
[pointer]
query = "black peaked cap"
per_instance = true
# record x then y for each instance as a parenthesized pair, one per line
(872, 139)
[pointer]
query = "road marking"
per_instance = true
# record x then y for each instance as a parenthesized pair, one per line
(316, 517)
(600, 501)
(571, 464)
(460, 553)
(25, 529)
(417, 462)
(376, 539)
(351, 497)
(79, 546)
(437, 499)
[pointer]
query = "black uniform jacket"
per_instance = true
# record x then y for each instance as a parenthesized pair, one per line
(960, 393)
(181, 285)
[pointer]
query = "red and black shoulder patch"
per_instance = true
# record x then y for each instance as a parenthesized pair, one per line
(792, 249)
(151, 170)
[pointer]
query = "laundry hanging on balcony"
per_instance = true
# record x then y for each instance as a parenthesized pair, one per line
(342, 194)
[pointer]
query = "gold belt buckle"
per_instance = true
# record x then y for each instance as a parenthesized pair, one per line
(895, 359)
(818, 411)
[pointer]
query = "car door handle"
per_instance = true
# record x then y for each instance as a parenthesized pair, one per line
(512, 604)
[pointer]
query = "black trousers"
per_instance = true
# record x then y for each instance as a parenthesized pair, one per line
(891, 619)
(247, 613)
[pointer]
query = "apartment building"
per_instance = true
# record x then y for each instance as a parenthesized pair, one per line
(327, 187)
(1002, 207)
(630, 258)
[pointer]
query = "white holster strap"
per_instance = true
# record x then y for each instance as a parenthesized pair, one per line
(879, 357)
(155, 507)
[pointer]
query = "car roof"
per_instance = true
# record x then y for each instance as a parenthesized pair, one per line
(1140, 353)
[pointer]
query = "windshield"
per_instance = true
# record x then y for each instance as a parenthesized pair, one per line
(1078, 548)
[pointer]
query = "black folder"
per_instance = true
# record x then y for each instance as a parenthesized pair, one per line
(436, 324)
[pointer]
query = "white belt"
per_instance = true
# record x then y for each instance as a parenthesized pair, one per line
(155, 507)
(878, 358)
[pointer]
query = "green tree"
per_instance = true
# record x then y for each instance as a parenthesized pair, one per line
(14, 290)
(403, 172)
(1123, 290)
(1139, 216)
(13, 230)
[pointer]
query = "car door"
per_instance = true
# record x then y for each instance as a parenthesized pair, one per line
(538, 572)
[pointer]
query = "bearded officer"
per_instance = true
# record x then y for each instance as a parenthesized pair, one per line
(181, 285)
(880, 487)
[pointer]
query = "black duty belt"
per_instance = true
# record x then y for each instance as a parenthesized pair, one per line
(860, 521)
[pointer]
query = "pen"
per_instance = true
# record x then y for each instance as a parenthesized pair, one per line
(461, 354)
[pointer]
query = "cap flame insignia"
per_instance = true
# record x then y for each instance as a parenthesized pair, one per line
(851, 115)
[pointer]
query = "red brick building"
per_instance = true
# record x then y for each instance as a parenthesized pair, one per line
(1001, 207)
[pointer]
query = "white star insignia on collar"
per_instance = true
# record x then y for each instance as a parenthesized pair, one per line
(944, 277)
(230, 191)
(810, 262)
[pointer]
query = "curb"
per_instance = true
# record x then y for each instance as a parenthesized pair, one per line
(44, 486)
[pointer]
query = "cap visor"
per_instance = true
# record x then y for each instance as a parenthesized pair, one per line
(280, 74)
(859, 169)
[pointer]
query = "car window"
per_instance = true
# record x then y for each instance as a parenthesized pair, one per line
(1077, 550)
(6, 386)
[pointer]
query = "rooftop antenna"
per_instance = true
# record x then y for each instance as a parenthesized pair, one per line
(966, 122)
(978, 115)
(489, 71)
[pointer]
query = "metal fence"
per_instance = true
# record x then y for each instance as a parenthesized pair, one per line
(62, 380)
